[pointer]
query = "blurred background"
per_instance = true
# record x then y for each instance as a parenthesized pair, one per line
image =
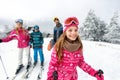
(97, 17)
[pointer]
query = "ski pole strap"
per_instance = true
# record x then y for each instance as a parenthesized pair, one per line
(99, 72)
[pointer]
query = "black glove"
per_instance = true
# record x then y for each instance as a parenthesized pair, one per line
(0, 40)
(99, 73)
(55, 75)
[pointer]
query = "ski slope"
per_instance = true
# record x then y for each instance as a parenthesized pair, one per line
(98, 54)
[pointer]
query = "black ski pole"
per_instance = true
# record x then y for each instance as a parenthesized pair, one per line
(4, 68)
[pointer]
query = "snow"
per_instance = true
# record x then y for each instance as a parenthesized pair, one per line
(99, 55)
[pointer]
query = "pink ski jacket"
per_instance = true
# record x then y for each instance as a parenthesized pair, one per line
(67, 68)
(21, 36)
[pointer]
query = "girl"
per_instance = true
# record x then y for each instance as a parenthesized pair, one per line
(36, 38)
(22, 35)
(67, 55)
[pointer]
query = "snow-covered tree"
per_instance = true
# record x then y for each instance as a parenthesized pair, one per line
(113, 29)
(100, 32)
(93, 28)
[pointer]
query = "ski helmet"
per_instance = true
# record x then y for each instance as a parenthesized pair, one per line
(36, 27)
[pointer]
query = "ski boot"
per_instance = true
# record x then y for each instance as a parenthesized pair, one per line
(35, 63)
(19, 68)
(42, 65)
(28, 65)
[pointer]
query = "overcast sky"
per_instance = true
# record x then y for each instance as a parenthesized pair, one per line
(42, 9)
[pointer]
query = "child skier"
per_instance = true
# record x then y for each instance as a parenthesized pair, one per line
(58, 30)
(68, 54)
(36, 38)
(22, 35)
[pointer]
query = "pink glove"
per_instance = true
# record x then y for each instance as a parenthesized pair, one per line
(99, 75)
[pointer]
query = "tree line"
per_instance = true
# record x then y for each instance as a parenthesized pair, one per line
(94, 29)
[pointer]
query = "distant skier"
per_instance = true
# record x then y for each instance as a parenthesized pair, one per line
(58, 30)
(36, 38)
(68, 54)
(22, 35)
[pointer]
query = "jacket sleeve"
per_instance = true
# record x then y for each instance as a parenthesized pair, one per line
(52, 65)
(10, 37)
(60, 31)
(85, 67)
(31, 39)
(42, 39)
(54, 34)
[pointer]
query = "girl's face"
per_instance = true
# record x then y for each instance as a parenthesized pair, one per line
(72, 33)
(18, 25)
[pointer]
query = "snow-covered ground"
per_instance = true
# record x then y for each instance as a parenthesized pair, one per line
(98, 54)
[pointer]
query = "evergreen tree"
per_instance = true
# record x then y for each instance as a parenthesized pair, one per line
(93, 28)
(100, 32)
(112, 35)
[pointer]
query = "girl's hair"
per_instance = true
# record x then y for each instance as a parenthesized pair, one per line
(16, 29)
(59, 45)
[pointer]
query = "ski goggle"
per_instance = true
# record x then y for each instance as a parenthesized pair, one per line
(71, 20)
(19, 21)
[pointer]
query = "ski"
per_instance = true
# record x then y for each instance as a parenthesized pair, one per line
(28, 73)
(39, 77)
(14, 77)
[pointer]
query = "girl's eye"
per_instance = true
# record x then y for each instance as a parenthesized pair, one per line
(70, 30)
(76, 30)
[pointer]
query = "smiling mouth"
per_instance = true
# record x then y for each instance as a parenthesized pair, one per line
(73, 36)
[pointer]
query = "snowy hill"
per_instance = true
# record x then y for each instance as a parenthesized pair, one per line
(97, 54)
